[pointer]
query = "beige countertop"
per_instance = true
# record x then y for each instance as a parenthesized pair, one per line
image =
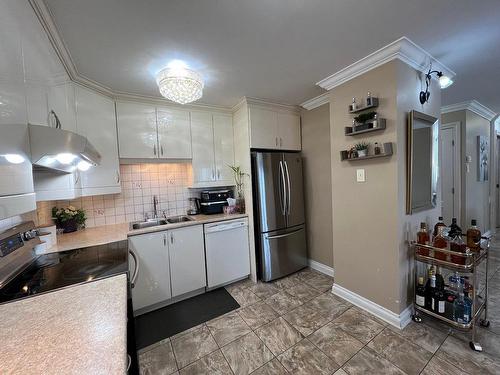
(75, 330)
(117, 232)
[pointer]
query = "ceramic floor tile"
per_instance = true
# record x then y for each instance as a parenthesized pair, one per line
(303, 292)
(287, 282)
(306, 319)
(366, 361)
(228, 328)
(335, 343)
(340, 372)
(456, 351)
(439, 366)
(283, 302)
(305, 359)
(279, 335)
(180, 334)
(306, 274)
(159, 360)
(242, 284)
(244, 297)
(264, 290)
(408, 356)
(211, 364)
(320, 282)
(257, 314)
(327, 303)
(423, 335)
(192, 346)
(273, 367)
(488, 340)
(370, 315)
(246, 354)
(358, 325)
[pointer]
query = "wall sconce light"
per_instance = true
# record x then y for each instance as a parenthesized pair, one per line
(444, 82)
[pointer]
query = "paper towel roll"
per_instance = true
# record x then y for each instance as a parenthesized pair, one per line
(49, 228)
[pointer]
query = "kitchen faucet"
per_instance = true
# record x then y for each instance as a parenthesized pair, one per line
(155, 206)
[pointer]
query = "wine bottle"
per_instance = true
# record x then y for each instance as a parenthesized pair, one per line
(420, 293)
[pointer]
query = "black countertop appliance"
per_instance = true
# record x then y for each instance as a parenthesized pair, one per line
(212, 201)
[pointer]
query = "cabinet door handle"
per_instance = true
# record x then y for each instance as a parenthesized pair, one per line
(161, 150)
(164, 240)
(171, 238)
(276, 141)
(133, 278)
(281, 141)
(218, 174)
(154, 149)
(77, 178)
(117, 177)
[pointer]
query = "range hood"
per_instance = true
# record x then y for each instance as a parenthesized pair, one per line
(61, 150)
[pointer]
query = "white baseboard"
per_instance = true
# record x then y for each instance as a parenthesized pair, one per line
(396, 320)
(320, 267)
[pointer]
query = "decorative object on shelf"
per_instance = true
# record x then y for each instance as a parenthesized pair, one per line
(239, 177)
(482, 158)
(444, 82)
(352, 154)
(364, 117)
(373, 104)
(365, 128)
(361, 148)
(180, 84)
(69, 219)
(354, 105)
(369, 99)
(376, 149)
(375, 121)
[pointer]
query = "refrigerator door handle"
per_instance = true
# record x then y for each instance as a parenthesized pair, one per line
(289, 203)
(282, 190)
(284, 234)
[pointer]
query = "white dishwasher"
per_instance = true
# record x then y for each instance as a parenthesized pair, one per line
(227, 251)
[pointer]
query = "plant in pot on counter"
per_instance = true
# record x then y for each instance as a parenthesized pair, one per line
(361, 149)
(69, 219)
(239, 177)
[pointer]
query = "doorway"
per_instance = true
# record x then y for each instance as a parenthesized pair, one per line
(450, 171)
(497, 181)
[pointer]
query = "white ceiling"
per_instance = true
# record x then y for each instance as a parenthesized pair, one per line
(275, 49)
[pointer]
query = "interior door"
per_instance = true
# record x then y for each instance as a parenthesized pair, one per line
(448, 171)
(203, 147)
(294, 189)
(174, 134)
(223, 146)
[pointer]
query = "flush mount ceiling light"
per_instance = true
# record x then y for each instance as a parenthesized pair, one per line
(180, 84)
(444, 82)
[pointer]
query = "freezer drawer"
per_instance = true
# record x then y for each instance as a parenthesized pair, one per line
(282, 252)
(227, 252)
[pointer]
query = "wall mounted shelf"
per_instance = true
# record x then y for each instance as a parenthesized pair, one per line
(361, 109)
(381, 126)
(387, 152)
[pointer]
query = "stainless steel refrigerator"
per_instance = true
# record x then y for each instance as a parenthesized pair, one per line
(280, 236)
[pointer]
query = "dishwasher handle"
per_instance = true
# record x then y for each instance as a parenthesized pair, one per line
(133, 279)
(213, 228)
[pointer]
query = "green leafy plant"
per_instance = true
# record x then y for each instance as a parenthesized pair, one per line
(365, 117)
(239, 177)
(62, 215)
(361, 146)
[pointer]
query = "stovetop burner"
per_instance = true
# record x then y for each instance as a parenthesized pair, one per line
(58, 270)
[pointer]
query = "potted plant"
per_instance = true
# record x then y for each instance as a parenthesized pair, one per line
(69, 219)
(361, 148)
(239, 177)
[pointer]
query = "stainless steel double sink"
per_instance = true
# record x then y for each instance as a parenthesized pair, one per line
(158, 222)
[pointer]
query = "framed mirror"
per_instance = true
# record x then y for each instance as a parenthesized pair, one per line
(422, 162)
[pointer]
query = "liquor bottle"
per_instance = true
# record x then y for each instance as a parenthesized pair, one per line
(441, 243)
(369, 99)
(462, 309)
(439, 278)
(474, 237)
(438, 299)
(423, 239)
(454, 228)
(420, 293)
(458, 245)
(440, 223)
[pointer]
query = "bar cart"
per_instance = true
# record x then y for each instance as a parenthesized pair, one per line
(474, 267)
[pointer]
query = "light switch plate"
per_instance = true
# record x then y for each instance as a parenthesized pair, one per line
(360, 175)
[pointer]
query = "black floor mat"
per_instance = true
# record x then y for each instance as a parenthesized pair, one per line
(170, 320)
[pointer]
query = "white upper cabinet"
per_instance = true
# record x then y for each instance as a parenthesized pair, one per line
(203, 162)
(95, 116)
(223, 146)
(61, 100)
(289, 135)
(137, 131)
(174, 133)
(274, 129)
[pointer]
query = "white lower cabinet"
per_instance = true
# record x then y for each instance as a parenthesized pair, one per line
(171, 263)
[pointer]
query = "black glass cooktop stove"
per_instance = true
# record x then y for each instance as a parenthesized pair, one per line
(58, 270)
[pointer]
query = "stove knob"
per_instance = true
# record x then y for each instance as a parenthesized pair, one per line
(28, 236)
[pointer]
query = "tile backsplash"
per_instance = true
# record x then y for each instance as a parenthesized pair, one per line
(140, 182)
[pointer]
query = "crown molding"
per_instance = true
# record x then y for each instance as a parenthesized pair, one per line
(316, 101)
(403, 49)
(471, 105)
(264, 103)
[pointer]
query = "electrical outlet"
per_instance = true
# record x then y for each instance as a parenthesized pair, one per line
(98, 212)
(360, 175)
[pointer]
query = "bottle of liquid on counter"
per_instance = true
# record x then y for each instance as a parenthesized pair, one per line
(440, 223)
(474, 237)
(420, 293)
(441, 243)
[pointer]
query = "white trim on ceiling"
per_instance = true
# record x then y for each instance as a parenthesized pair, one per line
(471, 105)
(403, 49)
(316, 101)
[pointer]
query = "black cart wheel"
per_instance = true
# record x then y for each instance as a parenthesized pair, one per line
(484, 323)
(475, 347)
(416, 318)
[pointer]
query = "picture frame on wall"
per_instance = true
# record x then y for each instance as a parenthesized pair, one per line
(482, 158)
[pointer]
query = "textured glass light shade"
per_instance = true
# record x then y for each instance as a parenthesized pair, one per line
(445, 81)
(181, 85)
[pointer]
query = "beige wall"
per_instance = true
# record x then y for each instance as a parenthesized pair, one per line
(318, 183)
(369, 222)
